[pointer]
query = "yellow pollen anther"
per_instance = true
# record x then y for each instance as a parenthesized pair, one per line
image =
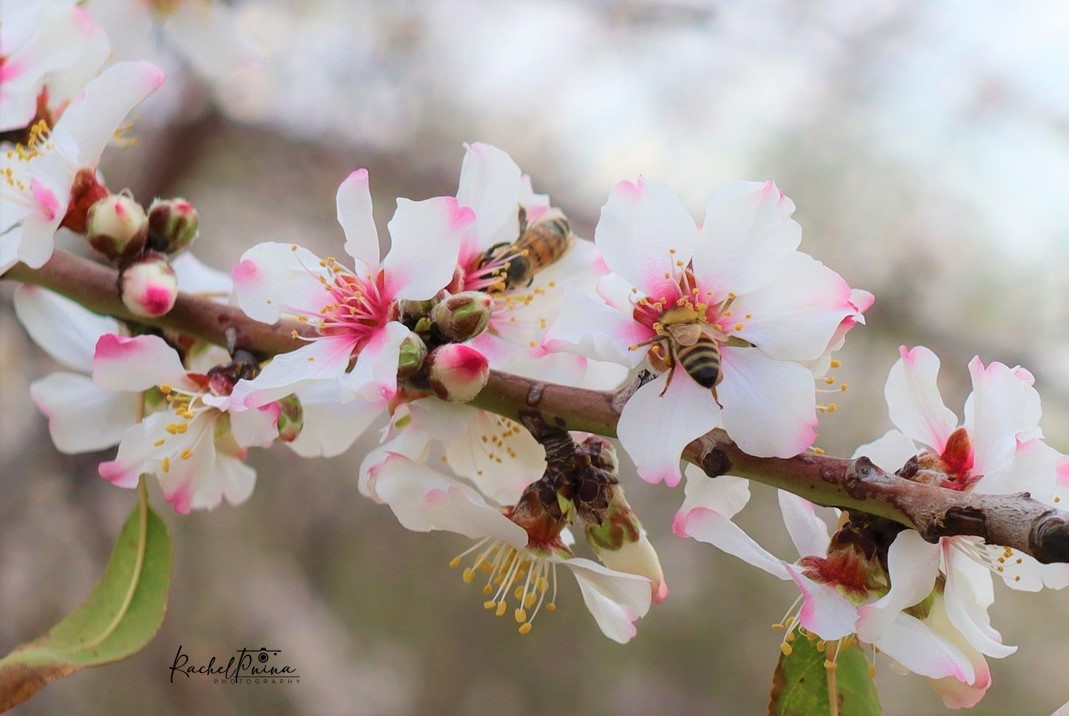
(520, 615)
(786, 648)
(159, 442)
(166, 464)
(455, 562)
(836, 364)
(778, 627)
(490, 604)
(842, 387)
(738, 326)
(469, 575)
(186, 454)
(501, 609)
(829, 665)
(829, 380)
(551, 607)
(818, 451)
(525, 628)
(1057, 499)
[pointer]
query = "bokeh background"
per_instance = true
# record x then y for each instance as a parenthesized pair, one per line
(925, 144)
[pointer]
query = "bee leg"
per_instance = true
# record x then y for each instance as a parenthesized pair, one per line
(713, 389)
(671, 370)
(522, 215)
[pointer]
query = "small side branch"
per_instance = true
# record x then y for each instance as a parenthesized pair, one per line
(1015, 521)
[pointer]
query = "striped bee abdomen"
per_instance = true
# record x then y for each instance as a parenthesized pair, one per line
(701, 361)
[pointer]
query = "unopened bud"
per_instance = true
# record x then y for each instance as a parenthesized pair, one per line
(411, 311)
(117, 227)
(290, 418)
(463, 315)
(456, 372)
(602, 453)
(148, 286)
(412, 354)
(620, 542)
(172, 225)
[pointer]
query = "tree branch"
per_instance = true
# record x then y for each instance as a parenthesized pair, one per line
(1015, 521)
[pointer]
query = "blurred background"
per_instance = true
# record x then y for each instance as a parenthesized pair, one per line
(926, 146)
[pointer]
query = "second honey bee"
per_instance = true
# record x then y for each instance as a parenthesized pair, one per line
(540, 244)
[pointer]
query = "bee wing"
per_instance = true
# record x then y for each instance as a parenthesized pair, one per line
(686, 334)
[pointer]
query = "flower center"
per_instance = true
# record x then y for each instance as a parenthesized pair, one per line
(358, 307)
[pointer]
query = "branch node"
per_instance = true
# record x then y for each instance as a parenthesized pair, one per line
(715, 463)
(1049, 538)
(858, 472)
(534, 394)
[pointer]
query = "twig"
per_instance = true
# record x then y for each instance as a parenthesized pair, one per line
(1015, 521)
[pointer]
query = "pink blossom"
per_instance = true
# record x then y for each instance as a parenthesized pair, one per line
(774, 314)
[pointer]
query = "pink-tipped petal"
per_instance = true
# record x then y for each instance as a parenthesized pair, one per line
(426, 239)
(968, 594)
(654, 428)
(825, 612)
(912, 566)
(913, 399)
(91, 120)
(747, 231)
(712, 528)
(795, 316)
(64, 329)
(374, 377)
(83, 417)
(769, 405)
(1002, 409)
(616, 600)
(273, 279)
(490, 185)
(138, 363)
(643, 232)
(358, 222)
(325, 358)
(808, 532)
(597, 331)
(726, 495)
(923, 651)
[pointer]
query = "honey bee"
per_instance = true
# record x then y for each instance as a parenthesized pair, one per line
(691, 344)
(540, 244)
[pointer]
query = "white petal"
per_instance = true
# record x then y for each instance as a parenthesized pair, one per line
(236, 478)
(490, 184)
(274, 278)
(1002, 407)
(358, 222)
(37, 232)
(426, 242)
(196, 277)
(725, 494)
(640, 226)
(597, 331)
(654, 428)
(324, 358)
(769, 405)
(81, 416)
(913, 399)
(64, 329)
(747, 231)
(1034, 468)
(825, 612)
(712, 528)
(90, 121)
(616, 600)
(137, 363)
(255, 427)
(957, 693)
(331, 426)
(912, 565)
(968, 594)
(193, 482)
(144, 445)
(499, 456)
(808, 532)
(796, 315)
(917, 647)
(891, 451)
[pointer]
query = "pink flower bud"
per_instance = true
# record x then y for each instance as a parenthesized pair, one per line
(117, 227)
(148, 286)
(457, 372)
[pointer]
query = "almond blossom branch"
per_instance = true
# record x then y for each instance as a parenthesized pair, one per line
(1015, 520)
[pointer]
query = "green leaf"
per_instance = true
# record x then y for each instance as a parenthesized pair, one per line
(800, 684)
(121, 615)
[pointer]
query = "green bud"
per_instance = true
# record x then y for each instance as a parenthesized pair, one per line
(413, 352)
(619, 540)
(172, 225)
(463, 315)
(290, 418)
(415, 310)
(117, 227)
